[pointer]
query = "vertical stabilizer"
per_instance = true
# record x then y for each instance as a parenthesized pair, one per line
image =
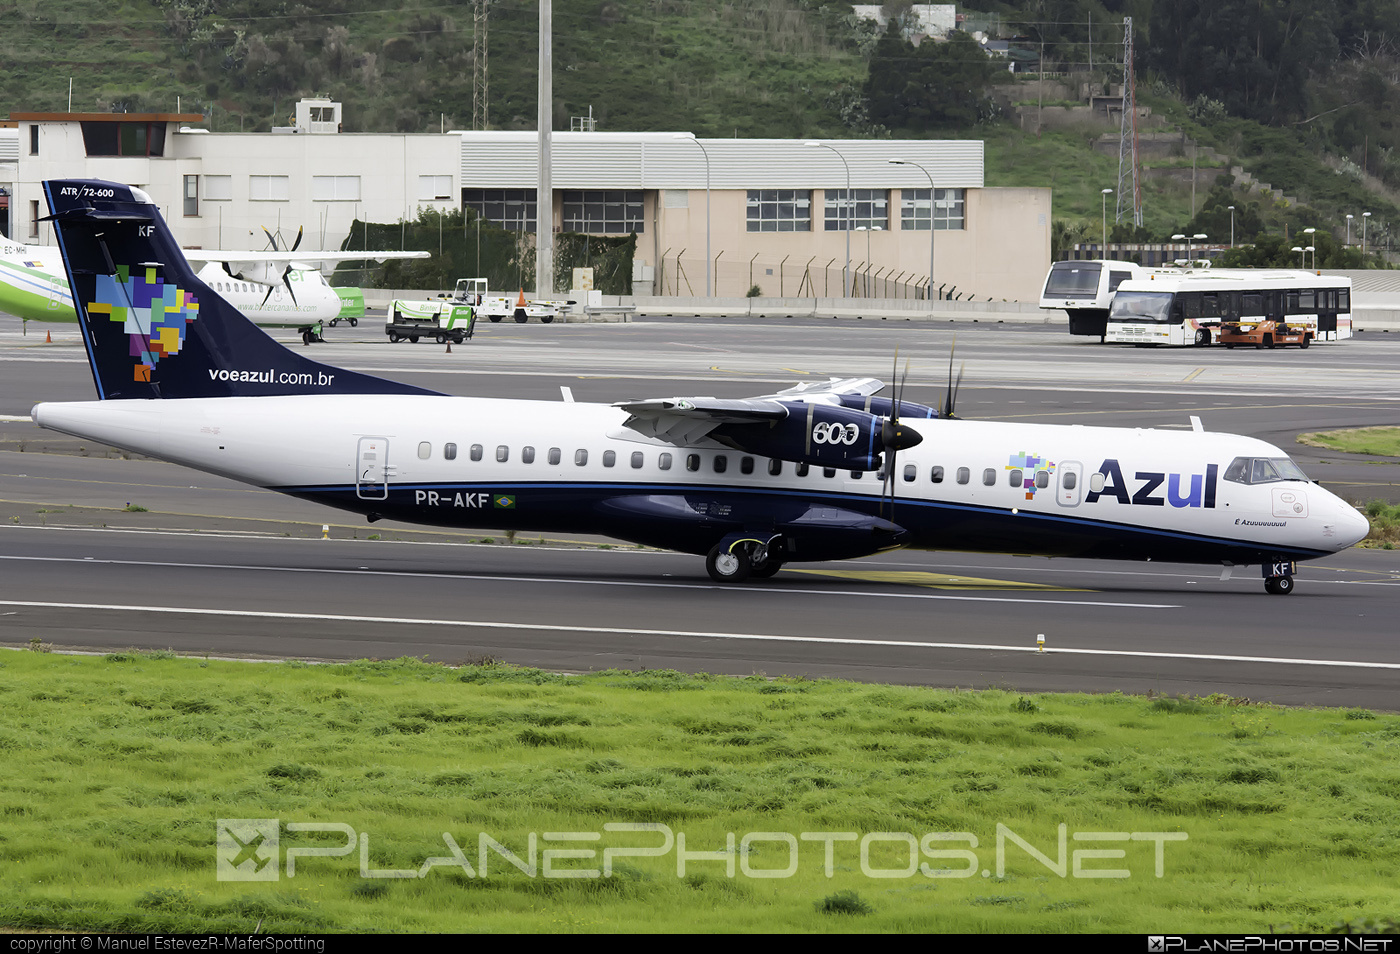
(151, 327)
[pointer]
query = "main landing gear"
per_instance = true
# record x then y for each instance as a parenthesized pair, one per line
(734, 560)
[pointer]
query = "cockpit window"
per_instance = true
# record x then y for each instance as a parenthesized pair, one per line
(1263, 470)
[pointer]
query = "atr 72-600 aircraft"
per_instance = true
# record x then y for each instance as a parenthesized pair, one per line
(752, 484)
(275, 289)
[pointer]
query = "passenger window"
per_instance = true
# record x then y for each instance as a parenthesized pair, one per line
(721, 463)
(1014, 479)
(911, 472)
(580, 457)
(554, 455)
(502, 453)
(936, 475)
(664, 461)
(637, 459)
(1096, 482)
(775, 467)
(476, 452)
(964, 475)
(1069, 480)
(828, 471)
(1042, 479)
(609, 458)
(857, 474)
(803, 469)
(989, 476)
(449, 451)
(527, 455)
(425, 450)
(692, 462)
(746, 465)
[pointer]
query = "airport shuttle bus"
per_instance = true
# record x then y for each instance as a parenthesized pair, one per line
(1188, 308)
(1084, 290)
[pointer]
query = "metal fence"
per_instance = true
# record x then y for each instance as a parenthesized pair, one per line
(680, 272)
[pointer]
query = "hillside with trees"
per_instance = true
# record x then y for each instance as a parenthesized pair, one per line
(1302, 94)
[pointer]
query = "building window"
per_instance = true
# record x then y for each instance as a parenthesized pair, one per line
(105, 138)
(948, 209)
(435, 188)
(512, 209)
(191, 195)
(780, 210)
(614, 212)
(866, 208)
(33, 218)
(34, 139)
(335, 188)
(269, 188)
(218, 188)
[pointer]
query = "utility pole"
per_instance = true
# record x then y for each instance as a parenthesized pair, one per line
(544, 197)
(481, 95)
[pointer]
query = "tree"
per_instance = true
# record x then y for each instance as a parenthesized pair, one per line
(936, 85)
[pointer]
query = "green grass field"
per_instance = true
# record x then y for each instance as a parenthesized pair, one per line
(1377, 441)
(730, 794)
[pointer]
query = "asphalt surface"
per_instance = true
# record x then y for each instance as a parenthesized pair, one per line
(219, 568)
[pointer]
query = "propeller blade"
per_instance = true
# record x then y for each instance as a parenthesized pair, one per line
(287, 280)
(270, 238)
(297, 243)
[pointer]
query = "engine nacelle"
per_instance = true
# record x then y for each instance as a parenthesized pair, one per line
(883, 406)
(820, 434)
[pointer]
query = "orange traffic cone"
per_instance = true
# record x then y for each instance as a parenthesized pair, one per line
(449, 346)
(48, 337)
(521, 302)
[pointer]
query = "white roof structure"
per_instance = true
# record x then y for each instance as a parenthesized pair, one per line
(664, 160)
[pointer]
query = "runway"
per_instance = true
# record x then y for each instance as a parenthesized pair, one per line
(218, 568)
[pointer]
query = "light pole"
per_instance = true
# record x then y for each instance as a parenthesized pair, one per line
(1365, 216)
(867, 231)
(1103, 202)
(1199, 237)
(1232, 226)
(1349, 230)
(846, 274)
(705, 153)
(1311, 248)
(1302, 256)
(932, 219)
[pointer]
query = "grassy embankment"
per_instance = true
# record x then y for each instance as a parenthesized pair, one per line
(118, 769)
(1376, 442)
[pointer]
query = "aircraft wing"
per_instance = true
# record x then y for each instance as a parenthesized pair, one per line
(685, 420)
(242, 261)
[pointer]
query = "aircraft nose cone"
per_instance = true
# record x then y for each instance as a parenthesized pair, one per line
(899, 436)
(1352, 526)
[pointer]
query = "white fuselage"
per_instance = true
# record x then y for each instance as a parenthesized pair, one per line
(508, 463)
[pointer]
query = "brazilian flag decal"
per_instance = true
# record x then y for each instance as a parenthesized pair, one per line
(504, 501)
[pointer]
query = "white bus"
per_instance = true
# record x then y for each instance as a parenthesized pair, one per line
(1084, 290)
(1187, 307)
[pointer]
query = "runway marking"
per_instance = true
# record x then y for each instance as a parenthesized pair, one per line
(1193, 375)
(941, 581)
(500, 578)
(691, 634)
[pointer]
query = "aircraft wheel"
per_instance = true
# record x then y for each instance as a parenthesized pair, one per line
(412, 339)
(728, 566)
(520, 316)
(354, 322)
(1279, 585)
(393, 337)
(306, 337)
(494, 318)
(765, 569)
(333, 321)
(442, 339)
(546, 319)
(1202, 337)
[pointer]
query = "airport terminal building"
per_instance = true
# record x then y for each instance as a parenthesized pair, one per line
(788, 218)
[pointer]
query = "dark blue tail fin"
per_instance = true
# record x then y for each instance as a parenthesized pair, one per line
(152, 328)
